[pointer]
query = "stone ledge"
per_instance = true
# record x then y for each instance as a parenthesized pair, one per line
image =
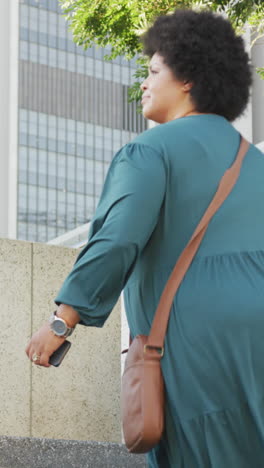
(25, 452)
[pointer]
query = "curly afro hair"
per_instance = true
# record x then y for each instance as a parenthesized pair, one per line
(203, 49)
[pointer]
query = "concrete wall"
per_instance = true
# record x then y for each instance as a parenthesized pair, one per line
(80, 399)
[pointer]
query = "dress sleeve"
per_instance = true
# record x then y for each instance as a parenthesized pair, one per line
(125, 218)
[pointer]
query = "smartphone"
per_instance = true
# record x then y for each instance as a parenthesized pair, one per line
(57, 357)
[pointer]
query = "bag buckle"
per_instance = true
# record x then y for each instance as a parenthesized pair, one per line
(159, 349)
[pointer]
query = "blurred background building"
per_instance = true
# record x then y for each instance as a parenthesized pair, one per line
(64, 113)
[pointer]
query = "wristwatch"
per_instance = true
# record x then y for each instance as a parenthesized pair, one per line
(59, 326)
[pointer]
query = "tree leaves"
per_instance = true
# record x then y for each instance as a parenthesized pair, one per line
(118, 24)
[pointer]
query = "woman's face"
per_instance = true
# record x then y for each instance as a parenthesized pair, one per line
(164, 97)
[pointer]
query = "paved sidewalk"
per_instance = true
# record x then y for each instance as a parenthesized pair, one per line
(20, 452)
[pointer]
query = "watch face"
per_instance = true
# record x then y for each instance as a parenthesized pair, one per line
(59, 327)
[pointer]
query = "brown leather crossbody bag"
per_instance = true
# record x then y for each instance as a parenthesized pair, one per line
(142, 393)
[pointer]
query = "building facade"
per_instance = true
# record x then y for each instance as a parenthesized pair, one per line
(69, 113)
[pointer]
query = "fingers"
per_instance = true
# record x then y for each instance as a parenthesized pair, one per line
(44, 360)
(39, 359)
(42, 345)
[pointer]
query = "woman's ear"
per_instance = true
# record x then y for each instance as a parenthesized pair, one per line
(187, 86)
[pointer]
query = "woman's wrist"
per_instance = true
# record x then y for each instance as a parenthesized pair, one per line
(68, 314)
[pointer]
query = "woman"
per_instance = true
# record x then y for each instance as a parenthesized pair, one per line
(156, 191)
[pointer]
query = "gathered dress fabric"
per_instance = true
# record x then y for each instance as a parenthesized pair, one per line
(156, 191)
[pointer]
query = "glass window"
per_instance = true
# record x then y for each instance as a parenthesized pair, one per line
(32, 161)
(33, 129)
(62, 43)
(80, 169)
(61, 201)
(71, 47)
(99, 154)
(98, 189)
(89, 65)
(53, 133)
(89, 52)
(71, 62)
(108, 71)
(41, 236)
(43, 119)
(52, 121)
(32, 200)
(80, 150)
(108, 155)
(33, 36)
(23, 176)
(23, 114)
(70, 148)
(33, 19)
(80, 126)
(52, 5)
(52, 22)
(61, 134)
(44, 3)
(24, 15)
(52, 199)
(24, 34)
(70, 161)
(32, 232)
(43, 55)
(98, 69)
(23, 53)
(42, 162)
(51, 233)
(23, 138)
(42, 198)
(71, 137)
(42, 142)
(52, 41)
(70, 125)
(116, 136)
(22, 231)
(61, 146)
(61, 164)
(43, 21)
(23, 126)
(52, 57)
(32, 140)
(80, 67)
(52, 164)
(62, 59)
(116, 73)
(62, 26)
(23, 153)
(32, 117)
(126, 75)
(61, 123)
(89, 129)
(33, 52)
(80, 138)
(42, 130)
(43, 38)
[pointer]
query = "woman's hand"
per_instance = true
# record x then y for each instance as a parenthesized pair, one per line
(44, 342)
(42, 345)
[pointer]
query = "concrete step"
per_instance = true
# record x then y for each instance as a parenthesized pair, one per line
(27, 452)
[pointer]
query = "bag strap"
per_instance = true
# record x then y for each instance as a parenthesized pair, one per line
(159, 325)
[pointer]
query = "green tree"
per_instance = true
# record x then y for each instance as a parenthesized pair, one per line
(120, 23)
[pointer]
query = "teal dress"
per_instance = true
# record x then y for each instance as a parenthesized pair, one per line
(155, 193)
